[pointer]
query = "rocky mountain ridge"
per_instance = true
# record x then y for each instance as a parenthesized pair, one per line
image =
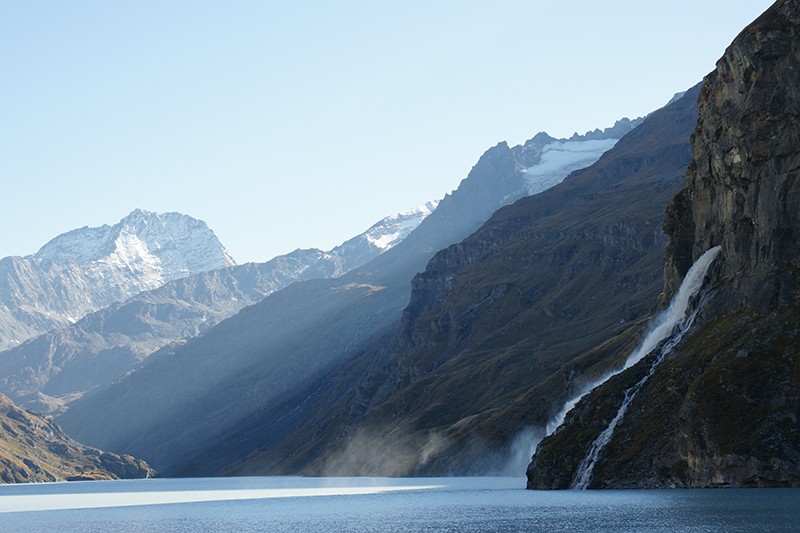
(90, 268)
(381, 236)
(167, 245)
(485, 323)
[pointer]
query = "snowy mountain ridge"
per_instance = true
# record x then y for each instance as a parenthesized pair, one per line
(48, 372)
(166, 246)
(395, 228)
(545, 161)
(381, 236)
(88, 269)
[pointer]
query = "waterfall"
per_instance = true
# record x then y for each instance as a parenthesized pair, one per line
(661, 327)
(674, 323)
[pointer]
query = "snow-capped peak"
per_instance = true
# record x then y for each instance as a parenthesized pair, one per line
(381, 236)
(180, 244)
(395, 228)
(154, 247)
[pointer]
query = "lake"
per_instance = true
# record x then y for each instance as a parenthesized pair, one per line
(383, 504)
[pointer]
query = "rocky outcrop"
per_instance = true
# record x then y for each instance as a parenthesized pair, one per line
(34, 450)
(726, 406)
(722, 409)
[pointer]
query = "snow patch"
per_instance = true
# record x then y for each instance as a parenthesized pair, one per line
(389, 231)
(560, 158)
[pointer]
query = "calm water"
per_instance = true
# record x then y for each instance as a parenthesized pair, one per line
(380, 504)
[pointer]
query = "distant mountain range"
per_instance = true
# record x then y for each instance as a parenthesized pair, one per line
(250, 362)
(55, 368)
(498, 328)
(88, 269)
(458, 337)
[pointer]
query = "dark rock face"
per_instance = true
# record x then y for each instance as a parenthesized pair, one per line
(722, 409)
(721, 412)
(743, 190)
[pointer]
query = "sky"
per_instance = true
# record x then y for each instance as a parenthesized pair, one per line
(299, 124)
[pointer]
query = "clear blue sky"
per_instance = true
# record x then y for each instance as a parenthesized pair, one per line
(299, 124)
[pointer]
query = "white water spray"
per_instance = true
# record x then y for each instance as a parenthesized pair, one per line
(673, 321)
(662, 326)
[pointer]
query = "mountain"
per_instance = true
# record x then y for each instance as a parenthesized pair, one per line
(498, 328)
(381, 236)
(719, 405)
(35, 450)
(90, 268)
(546, 161)
(50, 371)
(178, 407)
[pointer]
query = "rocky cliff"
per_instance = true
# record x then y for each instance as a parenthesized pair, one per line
(722, 410)
(742, 190)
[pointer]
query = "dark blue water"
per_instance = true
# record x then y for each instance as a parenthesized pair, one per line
(450, 504)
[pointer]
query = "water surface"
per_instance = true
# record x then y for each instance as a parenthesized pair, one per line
(383, 504)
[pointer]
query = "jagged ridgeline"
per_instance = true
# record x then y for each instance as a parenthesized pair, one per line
(88, 269)
(722, 409)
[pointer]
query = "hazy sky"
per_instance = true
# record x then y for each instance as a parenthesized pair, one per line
(299, 124)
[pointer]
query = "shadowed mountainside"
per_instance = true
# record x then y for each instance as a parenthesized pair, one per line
(56, 368)
(189, 398)
(499, 328)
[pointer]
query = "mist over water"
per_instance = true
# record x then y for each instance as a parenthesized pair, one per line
(390, 450)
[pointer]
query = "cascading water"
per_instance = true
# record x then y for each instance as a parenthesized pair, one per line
(662, 326)
(673, 322)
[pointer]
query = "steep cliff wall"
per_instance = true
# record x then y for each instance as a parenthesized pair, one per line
(743, 191)
(723, 408)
